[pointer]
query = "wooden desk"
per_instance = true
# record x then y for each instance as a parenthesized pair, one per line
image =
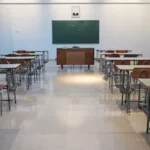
(75, 56)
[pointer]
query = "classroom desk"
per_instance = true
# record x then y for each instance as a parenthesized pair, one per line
(39, 57)
(121, 54)
(98, 52)
(30, 61)
(9, 66)
(102, 56)
(111, 60)
(18, 58)
(112, 50)
(10, 69)
(146, 83)
(128, 68)
(44, 52)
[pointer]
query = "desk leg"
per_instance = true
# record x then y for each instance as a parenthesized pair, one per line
(62, 66)
(148, 111)
(139, 95)
(100, 61)
(111, 77)
(122, 76)
(105, 70)
(128, 93)
(88, 66)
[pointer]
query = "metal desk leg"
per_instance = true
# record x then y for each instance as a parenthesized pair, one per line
(100, 61)
(111, 76)
(1, 100)
(44, 60)
(148, 111)
(122, 85)
(29, 75)
(105, 70)
(139, 95)
(128, 93)
(97, 51)
(47, 56)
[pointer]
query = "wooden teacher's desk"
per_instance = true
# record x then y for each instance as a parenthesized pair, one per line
(75, 56)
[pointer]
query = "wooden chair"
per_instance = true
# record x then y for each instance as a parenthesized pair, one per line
(110, 51)
(30, 51)
(112, 55)
(143, 62)
(140, 73)
(21, 51)
(122, 62)
(11, 55)
(121, 51)
(4, 61)
(131, 55)
(134, 85)
(10, 87)
(117, 78)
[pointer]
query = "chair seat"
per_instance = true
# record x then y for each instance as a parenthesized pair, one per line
(2, 87)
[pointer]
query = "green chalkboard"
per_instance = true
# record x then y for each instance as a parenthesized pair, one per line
(75, 32)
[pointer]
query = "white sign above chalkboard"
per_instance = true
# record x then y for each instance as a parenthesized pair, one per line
(75, 11)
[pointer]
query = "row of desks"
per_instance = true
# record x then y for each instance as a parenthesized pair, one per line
(45, 54)
(99, 52)
(13, 67)
(21, 64)
(145, 82)
(39, 58)
(126, 70)
(109, 62)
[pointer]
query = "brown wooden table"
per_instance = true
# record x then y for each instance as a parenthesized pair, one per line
(75, 56)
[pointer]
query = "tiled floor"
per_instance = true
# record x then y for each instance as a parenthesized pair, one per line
(71, 109)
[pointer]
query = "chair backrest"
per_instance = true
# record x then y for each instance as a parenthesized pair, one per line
(11, 55)
(21, 51)
(121, 51)
(25, 55)
(110, 51)
(12, 61)
(112, 55)
(143, 62)
(4, 61)
(30, 51)
(141, 73)
(122, 62)
(131, 55)
(1, 61)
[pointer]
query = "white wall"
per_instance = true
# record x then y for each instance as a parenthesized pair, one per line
(121, 26)
(6, 43)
